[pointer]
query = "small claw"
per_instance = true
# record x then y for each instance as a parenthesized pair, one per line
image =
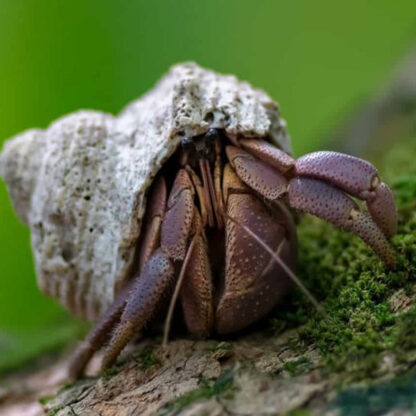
(383, 209)
(144, 297)
(259, 176)
(329, 203)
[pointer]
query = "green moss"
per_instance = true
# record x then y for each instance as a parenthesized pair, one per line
(147, 358)
(298, 412)
(206, 390)
(45, 399)
(296, 367)
(66, 386)
(355, 287)
(109, 373)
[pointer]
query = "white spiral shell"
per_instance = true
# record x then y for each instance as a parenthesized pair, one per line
(81, 184)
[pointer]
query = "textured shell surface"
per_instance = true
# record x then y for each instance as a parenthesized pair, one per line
(81, 184)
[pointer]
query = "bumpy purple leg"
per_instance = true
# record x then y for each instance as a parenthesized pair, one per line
(357, 177)
(329, 203)
(101, 331)
(159, 271)
(153, 282)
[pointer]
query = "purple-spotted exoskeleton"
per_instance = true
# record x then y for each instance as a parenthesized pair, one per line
(193, 188)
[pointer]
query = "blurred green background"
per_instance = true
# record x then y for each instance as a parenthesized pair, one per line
(319, 59)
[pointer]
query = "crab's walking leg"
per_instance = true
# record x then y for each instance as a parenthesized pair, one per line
(331, 204)
(219, 209)
(101, 330)
(159, 272)
(357, 177)
(197, 289)
(154, 217)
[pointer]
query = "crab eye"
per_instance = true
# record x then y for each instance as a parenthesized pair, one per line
(212, 134)
(186, 142)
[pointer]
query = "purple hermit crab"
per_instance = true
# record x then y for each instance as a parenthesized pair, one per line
(189, 192)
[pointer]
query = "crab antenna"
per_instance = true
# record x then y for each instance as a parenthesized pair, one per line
(278, 260)
(175, 295)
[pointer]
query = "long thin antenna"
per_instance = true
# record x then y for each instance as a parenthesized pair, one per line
(282, 264)
(176, 292)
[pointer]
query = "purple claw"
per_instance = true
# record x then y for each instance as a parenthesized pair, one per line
(327, 202)
(383, 209)
(357, 177)
(353, 175)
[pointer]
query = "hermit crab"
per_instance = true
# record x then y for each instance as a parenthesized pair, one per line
(190, 192)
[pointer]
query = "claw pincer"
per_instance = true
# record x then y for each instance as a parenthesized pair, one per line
(319, 188)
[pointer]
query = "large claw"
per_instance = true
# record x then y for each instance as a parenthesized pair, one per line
(357, 177)
(254, 281)
(329, 203)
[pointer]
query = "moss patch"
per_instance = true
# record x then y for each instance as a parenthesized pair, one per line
(355, 288)
(206, 390)
(296, 367)
(147, 358)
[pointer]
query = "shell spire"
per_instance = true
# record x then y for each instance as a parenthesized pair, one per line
(81, 184)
